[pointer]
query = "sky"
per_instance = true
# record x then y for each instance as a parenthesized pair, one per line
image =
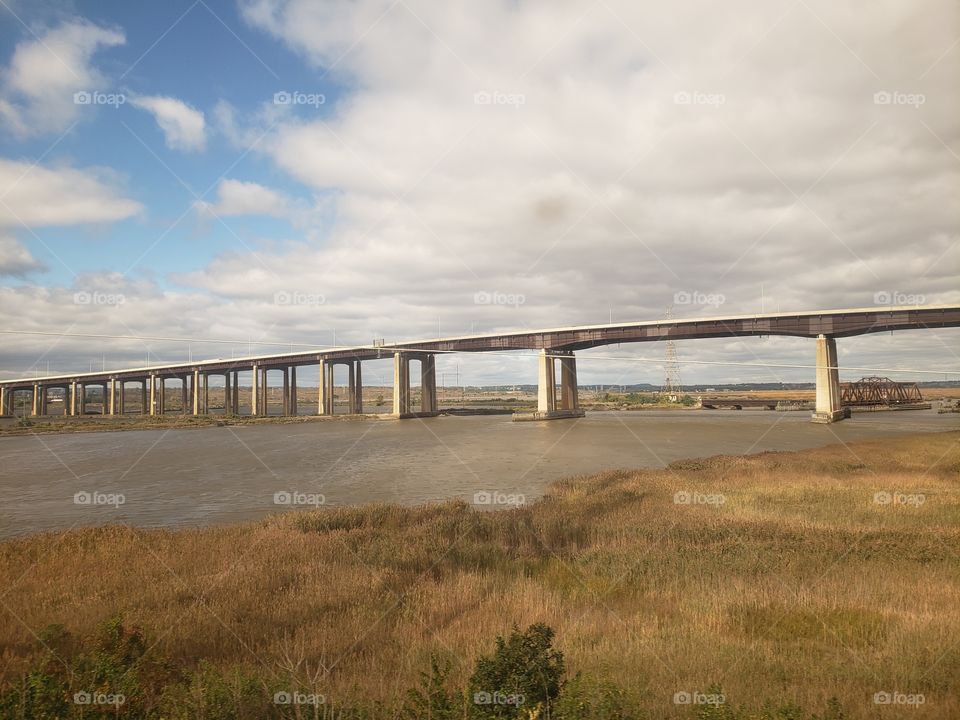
(328, 173)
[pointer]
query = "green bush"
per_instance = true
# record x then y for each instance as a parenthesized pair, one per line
(522, 678)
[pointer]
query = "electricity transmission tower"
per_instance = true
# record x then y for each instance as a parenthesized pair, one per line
(671, 368)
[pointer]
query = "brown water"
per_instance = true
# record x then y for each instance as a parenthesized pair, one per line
(191, 477)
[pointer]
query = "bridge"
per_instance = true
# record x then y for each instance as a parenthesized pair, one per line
(557, 345)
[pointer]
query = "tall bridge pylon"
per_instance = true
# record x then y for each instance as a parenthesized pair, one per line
(671, 367)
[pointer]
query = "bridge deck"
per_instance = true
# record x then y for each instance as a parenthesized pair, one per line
(832, 323)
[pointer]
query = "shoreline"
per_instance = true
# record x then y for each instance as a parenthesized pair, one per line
(56, 425)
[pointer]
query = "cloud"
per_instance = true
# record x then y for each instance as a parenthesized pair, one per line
(15, 259)
(37, 87)
(33, 196)
(236, 197)
(36, 196)
(626, 151)
(183, 127)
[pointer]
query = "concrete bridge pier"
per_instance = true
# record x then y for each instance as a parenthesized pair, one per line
(4, 410)
(402, 400)
(254, 390)
(325, 392)
(205, 393)
(292, 391)
(161, 395)
(828, 408)
(228, 391)
(184, 395)
(354, 387)
(549, 406)
(401, 385)
(195, 392)
(351, 388)
(264, 388)
(236, 392)
(152, 399)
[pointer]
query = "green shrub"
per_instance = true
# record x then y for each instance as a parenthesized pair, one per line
(522, 678)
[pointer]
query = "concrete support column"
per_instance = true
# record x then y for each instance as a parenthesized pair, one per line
(236, 392)
(569, 399)
(401, 384)
(358, 390)
(82, 399)
(205, 393)
(161, 395)
(113, 396)
(828, 407)
(35, 401)
(3, 401)
(285, 404)
(144, 407)
(254, 391)
(184, 395)
(548, 407)
(195, 391)
(228, 391)
(546, 384)
(264, 392)
(428, 384)
(328, 391)
(121, 401)
(351, 388)
(293, 390)
(152, 401)
(321, 390)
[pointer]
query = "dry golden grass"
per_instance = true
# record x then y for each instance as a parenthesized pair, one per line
(799, 586)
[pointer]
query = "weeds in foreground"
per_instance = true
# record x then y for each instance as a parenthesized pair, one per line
(111, 676)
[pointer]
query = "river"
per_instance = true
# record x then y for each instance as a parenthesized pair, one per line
(200, 476)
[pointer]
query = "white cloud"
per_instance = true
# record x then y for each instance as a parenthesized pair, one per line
(236, 197)
(183, 127)
(35, 196)
(628, 150)
(38, 85)
(15, 259)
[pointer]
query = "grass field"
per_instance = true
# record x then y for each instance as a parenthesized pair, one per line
(782, 578)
